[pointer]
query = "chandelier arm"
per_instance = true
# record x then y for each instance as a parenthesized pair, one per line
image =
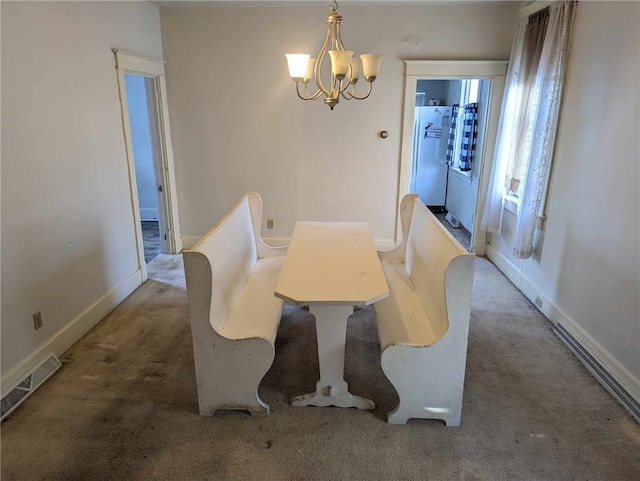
(314, 96)
(339, 38)
(318, 66)
(342, 90)
(352, 94)
(336, 40)
(337, 88)
(306, 93)
(347, 95)
(298, 92)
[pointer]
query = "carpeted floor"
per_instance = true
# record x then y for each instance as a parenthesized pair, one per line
(123, 406)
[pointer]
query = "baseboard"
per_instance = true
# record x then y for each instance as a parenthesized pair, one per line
(552, 312)
(381, 244)
(610, 383)
(189, 241)
(277, 241)
(73, 331)
(148, 214)
(385, 244)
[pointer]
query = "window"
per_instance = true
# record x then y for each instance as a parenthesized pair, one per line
(528, 125)
(471, 91)
(533, 42)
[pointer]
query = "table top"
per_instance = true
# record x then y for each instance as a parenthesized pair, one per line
(331, 263)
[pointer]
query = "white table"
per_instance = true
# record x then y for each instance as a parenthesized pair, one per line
(331, 267)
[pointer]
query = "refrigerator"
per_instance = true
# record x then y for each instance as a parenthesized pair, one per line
(429, 169)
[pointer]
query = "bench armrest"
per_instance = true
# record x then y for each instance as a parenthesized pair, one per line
(406, 212)
(264, 250)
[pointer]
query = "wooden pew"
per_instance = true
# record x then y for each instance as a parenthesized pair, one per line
(231, 275)
(423, 325)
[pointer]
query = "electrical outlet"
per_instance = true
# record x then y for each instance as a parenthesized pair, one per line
(269, 223)
(538, 302)
(37, 320)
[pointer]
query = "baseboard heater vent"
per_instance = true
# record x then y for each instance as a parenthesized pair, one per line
(29, 383)
(599, 372)
(452, 219)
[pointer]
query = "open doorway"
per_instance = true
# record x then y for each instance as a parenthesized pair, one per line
(459, 175)
(140, 94)
(145, 121)
(448, 135)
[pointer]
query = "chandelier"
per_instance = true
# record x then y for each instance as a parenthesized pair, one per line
(345, 70)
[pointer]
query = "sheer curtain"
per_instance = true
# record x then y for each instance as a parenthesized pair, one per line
(510, 119)
(529, 120)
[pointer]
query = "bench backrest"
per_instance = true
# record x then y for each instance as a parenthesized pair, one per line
(231, 252)
(438, 266)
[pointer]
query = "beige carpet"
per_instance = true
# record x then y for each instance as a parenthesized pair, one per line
(123, 406)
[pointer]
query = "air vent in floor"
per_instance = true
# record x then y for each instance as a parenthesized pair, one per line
(452, 219)
(31, 381)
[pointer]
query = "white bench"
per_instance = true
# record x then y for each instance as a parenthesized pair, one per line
(231, 276)
(423, 325)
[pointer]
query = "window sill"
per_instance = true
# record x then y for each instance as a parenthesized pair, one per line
(465, 176)
(511, 203)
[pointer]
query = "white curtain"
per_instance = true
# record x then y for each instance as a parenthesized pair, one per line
(528, 126)
(510, 119)
(547, 95)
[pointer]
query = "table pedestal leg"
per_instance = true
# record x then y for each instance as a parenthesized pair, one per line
(332, 389)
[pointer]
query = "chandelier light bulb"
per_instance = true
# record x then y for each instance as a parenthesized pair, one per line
(370, 65)
(311, 63)
(340, 61)
(356, 67)
(297, 65)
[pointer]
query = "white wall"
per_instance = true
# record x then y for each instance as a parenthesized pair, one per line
(588, 266)
(238, 124)
(142, 151)
(67, 224)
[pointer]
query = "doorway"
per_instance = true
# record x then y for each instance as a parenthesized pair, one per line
(140, 94)
(448, 135)
(145, 121)
(460, 178)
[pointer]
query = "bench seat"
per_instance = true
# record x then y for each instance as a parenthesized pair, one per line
(257, 302)
(401, 317)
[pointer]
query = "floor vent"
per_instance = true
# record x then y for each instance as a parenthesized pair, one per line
(452, 219)
(599, 372)
(31, 381)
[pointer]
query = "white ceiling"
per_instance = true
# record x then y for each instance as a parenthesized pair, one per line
(270, 3)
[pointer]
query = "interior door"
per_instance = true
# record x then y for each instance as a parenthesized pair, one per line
(158, 167)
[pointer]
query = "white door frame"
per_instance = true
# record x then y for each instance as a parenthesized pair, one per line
(493, 70)
(131, 63)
